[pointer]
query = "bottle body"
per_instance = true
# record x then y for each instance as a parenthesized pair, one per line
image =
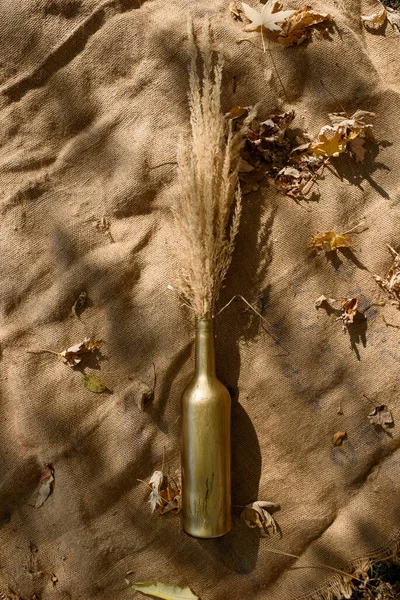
(205, 444)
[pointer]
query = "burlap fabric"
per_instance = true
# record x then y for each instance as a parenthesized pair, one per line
(93, 101)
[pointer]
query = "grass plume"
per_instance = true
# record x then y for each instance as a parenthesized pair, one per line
(208, 212)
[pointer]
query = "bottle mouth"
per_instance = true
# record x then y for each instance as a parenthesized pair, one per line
(206, 324)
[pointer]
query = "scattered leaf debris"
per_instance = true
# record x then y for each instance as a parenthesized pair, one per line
(346, 134)
(270, 154)
(339, 410)
(72, 356)
(165, 493)
(79, 304)
(256, 514)
(329, 241)
(381, 416)
(163, 590)
(338, 438)
(46, 485)
(93, 384)
(391, 283)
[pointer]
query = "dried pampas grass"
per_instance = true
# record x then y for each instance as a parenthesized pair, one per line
(208, 212)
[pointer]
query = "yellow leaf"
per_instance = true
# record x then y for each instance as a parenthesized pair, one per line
(93, 384)
(163, 590)
(330, 142)
(338, 438)
(329, 241)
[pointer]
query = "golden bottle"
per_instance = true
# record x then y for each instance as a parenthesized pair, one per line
(205, 444)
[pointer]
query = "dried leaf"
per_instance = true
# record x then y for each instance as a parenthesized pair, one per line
(329, 241)
(45, 486)
(339, 137)
(391, 283)
(268, 18)
(330, 142)
(357, 148)
(236, 112)
(79, 304)
(155, 483)
(72, 356)
(381, 416)
(376, 19)
(93, 384)
(320, 301)
(163, 590)
(244, 166)
(289, 172)
(393, 16)
(143, 394)
(298, 27)
(338, 438)
(256, 514)
(350, 310)
(165, 493)
(235, 11)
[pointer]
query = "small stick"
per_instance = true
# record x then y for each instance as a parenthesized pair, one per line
(393, 251)
(353, 229)
(40, 350)
(317, 564)
(257, 313)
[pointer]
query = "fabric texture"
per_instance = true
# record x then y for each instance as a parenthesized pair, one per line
(93, 100)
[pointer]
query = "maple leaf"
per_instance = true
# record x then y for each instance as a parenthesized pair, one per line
(297, 27)
(329, 241)
(335, 139)
(256, 514)
(381, 416)
(331, 142)
(268, 18)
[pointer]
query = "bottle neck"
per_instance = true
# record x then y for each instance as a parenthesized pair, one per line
(205, 348)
